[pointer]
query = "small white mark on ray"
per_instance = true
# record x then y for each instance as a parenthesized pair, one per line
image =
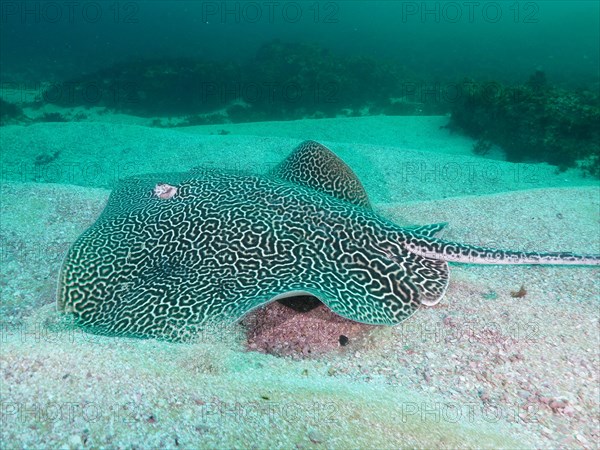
(165, 191)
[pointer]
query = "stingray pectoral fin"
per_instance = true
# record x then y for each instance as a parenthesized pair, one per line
(154, 308)
(431, 276)
(382, 295)
(313, 165)
(163, 301)
(433, 248)
(429, 230)
(379, 291)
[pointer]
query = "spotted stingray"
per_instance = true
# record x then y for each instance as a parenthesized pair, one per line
(177, 251)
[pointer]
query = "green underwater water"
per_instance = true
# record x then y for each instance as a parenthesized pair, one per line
(428, 102)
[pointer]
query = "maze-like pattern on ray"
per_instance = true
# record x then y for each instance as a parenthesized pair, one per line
(227, 243)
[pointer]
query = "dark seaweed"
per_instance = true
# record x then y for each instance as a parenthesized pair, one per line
(52, 117)
(533, 122)
(9, 112)
(283, 81)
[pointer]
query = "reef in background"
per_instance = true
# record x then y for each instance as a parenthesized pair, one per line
(529, 122)
(282, 81)
(533, 122)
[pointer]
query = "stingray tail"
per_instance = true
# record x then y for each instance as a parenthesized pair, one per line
(433, 248)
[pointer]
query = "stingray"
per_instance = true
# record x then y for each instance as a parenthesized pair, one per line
(174, 252)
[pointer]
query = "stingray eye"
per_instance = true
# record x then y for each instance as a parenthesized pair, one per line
(165, 191)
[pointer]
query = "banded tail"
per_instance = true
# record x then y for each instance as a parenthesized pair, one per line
(432, 248)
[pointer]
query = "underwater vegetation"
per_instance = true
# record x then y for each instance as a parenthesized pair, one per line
(533, 121)
(9, 112)
(309, 79)
(13, 114)
(52, 117)
(282, 81)
(150, 87)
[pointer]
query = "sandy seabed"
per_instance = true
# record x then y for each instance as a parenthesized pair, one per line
(484, 368)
